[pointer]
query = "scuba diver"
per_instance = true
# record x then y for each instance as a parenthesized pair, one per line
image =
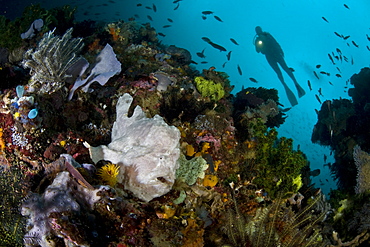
(267, 45)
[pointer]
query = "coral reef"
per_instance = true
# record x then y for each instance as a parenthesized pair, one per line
(278, 166)
(162, 154)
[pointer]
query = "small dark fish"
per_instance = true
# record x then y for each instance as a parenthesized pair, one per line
(206, 39)
(345, 58)
(331, 59)
(318, 66)
(318, 99)
(336, 57)
(170, 20)
(315, 173)
(368, 38)
(325, 73)
(316, 75)
(354, 43)
(105, 4)
(139, 5)
(330, 83)
(339, 35)
(149, 17)
(234, 41)
(368, 47)
(338, 50)
(162, 34)
(346, 37)
(228, 56)
(207, 12)
(148, 7)
(167, 26)
(320, 93)
(346, 6)
(352, 62)
(201, 54)
(218, 47)
(325, 19)
(176, 1)
(86, 13)
(291, 69)
(309, 85)
(204, 17)
(111, 1)
(218, 18)
(178, 5)
(240, 70)
(203, 62)
(154, 8)
(223, 66)
(253, 80)
(338, 75)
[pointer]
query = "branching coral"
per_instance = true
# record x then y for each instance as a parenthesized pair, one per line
(51, 60)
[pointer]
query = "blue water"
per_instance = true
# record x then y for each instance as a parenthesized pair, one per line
(298, 26)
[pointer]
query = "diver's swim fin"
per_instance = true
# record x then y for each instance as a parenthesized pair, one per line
(300, 90)
(291, 97)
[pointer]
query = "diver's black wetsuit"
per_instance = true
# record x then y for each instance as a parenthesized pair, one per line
(267, 45)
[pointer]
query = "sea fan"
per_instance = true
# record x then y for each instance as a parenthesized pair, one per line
(108, 173)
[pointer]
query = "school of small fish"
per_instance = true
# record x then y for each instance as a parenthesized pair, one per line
(320, 72)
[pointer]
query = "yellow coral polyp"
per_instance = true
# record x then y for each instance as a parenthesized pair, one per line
(108, 173)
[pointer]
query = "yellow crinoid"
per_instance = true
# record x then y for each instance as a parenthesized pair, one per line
(108, 173)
